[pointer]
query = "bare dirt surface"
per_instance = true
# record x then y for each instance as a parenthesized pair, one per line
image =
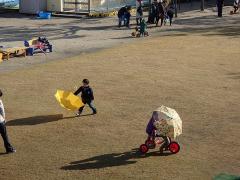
(71, 36)
(195, 71)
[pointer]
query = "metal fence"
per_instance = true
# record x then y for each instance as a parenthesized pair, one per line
(79, 6)
(76, 6)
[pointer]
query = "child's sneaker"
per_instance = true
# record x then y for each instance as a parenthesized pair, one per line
(78, 114)
(11, 151)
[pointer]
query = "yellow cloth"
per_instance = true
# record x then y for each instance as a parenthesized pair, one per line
(68, 100)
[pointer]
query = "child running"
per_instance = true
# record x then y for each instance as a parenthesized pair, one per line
(87, 96)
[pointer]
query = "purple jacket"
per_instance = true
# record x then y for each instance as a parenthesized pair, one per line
(150, 127)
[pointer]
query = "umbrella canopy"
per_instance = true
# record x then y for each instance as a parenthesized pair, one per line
(167, 122)
(68, 100)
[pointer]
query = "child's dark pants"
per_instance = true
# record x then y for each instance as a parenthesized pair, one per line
(165, 143)
(127, 20)
(90, 104)
(3, 132)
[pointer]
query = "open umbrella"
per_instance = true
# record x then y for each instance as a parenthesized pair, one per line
(167, 122)
(68, 100)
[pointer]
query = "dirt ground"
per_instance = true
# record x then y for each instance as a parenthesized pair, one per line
(73, 36)
(195, 71)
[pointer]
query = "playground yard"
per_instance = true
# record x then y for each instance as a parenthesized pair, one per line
(193, 67)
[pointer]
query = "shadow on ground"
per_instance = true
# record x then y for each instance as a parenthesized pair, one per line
(234, 75)
(110, 160)
(35, 120)
(207, 26)
(74, 29)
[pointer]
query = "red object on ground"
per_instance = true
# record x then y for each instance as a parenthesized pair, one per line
(143, 148)
(174, 147)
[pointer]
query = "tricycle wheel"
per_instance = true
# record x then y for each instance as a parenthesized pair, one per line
(150, 143)
(143, 148)
(174, 147)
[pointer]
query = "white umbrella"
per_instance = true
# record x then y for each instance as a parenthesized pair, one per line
(167, 122)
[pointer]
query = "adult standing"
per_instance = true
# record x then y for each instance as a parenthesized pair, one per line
(153, 13)
(170, 13)
(3, 130)
(127, 17)
(121, 15)
(139, 12)
(220, 7)
(160, 13)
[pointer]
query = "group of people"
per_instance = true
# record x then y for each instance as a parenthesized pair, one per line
(219, 3)
(160, 11)
(124, 15)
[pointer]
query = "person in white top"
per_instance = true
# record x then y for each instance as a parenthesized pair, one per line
(3, 130)
(236, 5)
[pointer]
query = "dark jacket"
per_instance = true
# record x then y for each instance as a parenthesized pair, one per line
(161, 9)
(122, 11)
(87, 93)
(127, 15)
(220, 2)
(170, 13)
(150, 127)
(140, 10)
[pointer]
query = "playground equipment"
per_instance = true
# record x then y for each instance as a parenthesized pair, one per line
(1, 56)
(40, 44)
(8, 52)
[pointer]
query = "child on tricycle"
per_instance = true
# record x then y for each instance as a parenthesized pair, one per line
(161, 129)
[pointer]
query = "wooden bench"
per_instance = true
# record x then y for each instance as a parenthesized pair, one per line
(12, 52)
(1, 57)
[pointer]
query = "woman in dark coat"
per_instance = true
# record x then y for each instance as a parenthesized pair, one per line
(160, 13)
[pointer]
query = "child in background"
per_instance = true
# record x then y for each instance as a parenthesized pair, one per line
(143, 27)
(170, 13)
(87, 96)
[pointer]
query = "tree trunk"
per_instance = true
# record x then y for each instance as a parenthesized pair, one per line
(202, 5)
(175, 7)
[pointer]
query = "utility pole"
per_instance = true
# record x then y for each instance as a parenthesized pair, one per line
(175, 7)
(202, 5)
(107, 6)
(149, 7)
